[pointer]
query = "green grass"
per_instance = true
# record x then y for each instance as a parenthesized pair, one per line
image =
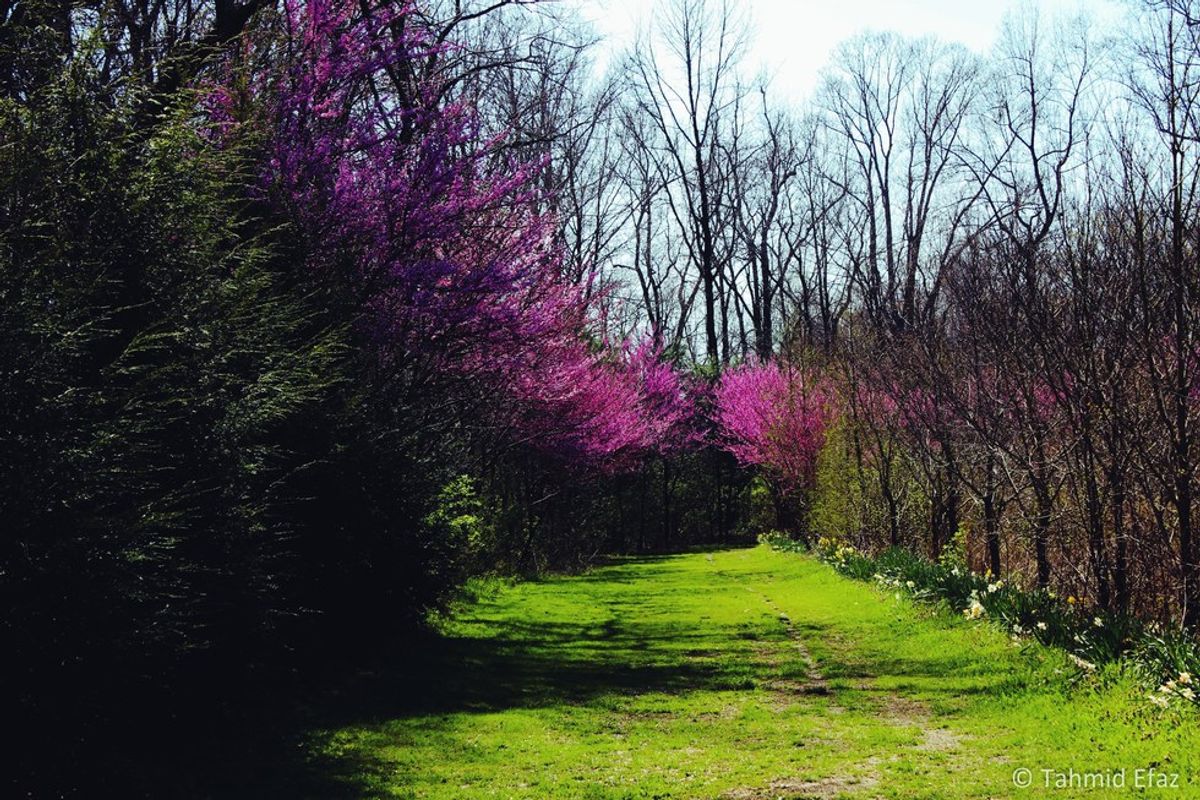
(687, 677)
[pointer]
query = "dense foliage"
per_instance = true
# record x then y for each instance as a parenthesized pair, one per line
(269, 339)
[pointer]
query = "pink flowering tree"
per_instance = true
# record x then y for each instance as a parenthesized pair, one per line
(774, 417)
(401, 201)
(607, 414)
(668, 402)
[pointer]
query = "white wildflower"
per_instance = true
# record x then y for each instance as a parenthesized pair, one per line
(1082, 664)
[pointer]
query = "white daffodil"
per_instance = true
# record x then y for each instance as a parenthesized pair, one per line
(1083, 664)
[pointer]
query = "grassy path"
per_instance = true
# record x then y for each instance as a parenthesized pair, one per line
(742, 674)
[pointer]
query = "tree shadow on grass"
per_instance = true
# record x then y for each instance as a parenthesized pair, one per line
(523, 663)
(513, 663)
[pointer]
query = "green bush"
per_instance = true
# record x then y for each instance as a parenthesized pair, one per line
(463, 524)
(837, 497)
(847, 501)
(760, 516)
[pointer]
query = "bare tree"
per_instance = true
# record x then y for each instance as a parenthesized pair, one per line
(685, 77)
(1165, 86)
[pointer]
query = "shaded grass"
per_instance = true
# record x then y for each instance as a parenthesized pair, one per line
(675, 676)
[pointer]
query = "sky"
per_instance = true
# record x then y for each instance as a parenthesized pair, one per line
(792, 40)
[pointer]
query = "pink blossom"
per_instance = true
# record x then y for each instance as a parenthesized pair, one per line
(774, 417)
(401, 201)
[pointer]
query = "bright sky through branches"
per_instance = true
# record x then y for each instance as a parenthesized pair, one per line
(792, 40)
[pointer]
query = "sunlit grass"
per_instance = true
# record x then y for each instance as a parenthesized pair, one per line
(679, 677)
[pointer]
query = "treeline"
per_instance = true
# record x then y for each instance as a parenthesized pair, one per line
(987, 262)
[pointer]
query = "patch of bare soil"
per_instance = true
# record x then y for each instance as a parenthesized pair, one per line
(903, 712)
(806, 790)
(936, 740)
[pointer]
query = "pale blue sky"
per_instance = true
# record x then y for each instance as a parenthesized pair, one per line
(792, 39)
